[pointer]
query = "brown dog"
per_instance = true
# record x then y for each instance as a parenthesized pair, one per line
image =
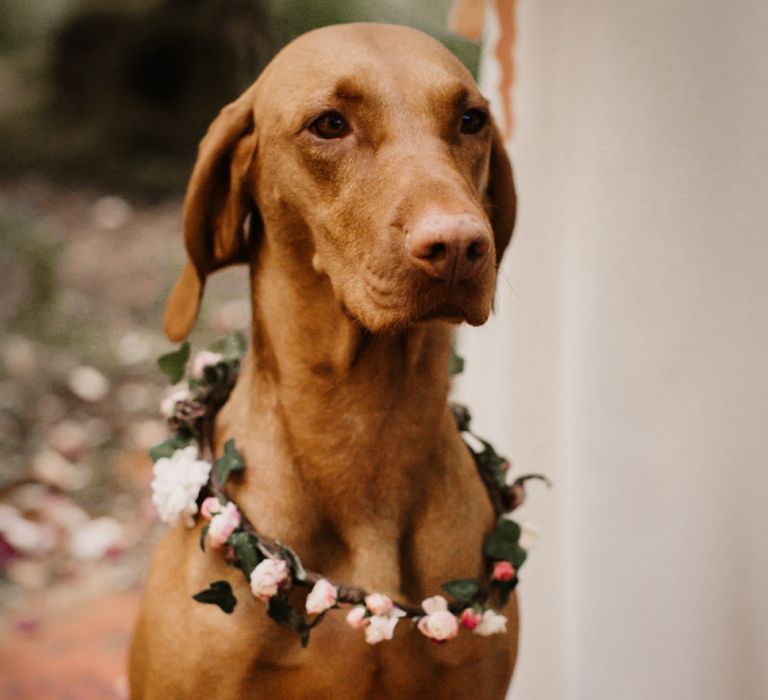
(380, 201)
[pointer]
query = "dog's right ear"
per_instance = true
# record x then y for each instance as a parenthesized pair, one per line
(215, 208)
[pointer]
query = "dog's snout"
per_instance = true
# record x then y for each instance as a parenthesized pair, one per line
(449, 246)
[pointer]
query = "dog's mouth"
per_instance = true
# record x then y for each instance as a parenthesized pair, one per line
(396, 306)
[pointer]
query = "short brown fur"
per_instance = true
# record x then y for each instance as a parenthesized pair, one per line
(341, 407)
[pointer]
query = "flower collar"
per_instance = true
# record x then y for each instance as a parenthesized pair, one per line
(186, 486)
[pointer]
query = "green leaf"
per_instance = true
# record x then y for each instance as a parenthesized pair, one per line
(167, 448)
(173, 364)
(505, 590)
(219, 593)
(463, 589)
(299, 573)
(233, 345)
(461, 416)
(489, 453)
(203, 535)
(230, 461)
(455, 364)
(519, 555)
(502, 543)
(246, 547)
(281, 611)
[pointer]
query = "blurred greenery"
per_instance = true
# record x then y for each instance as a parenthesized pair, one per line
(118, 94)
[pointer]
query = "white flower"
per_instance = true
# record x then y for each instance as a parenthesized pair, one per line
(378, 627)
(378, 603)
(382, 627)
(204, 359)
(322, 597)
(177, 483)
(356, 617)
(491, 623)
(434, 604)
(268, 576)
(179, 393)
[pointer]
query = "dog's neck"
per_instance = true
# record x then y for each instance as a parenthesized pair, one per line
(342, 394)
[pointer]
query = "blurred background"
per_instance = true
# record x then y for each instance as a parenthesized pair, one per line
(626, 357)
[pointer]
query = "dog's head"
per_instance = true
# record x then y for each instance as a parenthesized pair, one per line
(364, 153)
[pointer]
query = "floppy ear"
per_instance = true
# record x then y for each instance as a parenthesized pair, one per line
(500, 194)
(215, 208)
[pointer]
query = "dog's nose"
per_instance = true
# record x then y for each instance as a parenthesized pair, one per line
(449, 246)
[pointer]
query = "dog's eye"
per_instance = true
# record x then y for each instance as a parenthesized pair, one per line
(473, 120)
(330, 125)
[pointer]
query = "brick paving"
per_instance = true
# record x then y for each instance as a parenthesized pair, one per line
(77, 655)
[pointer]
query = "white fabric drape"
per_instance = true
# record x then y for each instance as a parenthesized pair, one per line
(627, 357)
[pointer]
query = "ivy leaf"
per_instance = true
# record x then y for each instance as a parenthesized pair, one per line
(490, 454)
(203, 535)
(519, 555)
(219, 593)
(463, 589)
(462, 416)
(233, 345)
(505, 590)
(230, 461)
(167, 448)
(281, 611)
(299, 572)
(455, 364)
(173, 364)
(502, 543)
(246, 547)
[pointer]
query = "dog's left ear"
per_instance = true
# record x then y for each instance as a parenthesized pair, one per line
(215, 208)
(501, 200)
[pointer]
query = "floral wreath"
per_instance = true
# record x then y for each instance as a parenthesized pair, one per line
(186, 485)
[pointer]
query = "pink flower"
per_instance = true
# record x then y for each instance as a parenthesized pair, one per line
(439, 623)
(378, 603)
(209, 507)
(268, 576)
(491, 623)
(204, 359)
(223, 524)
(357, 617)
(503, 571)
(470, 619)
(322, 597)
